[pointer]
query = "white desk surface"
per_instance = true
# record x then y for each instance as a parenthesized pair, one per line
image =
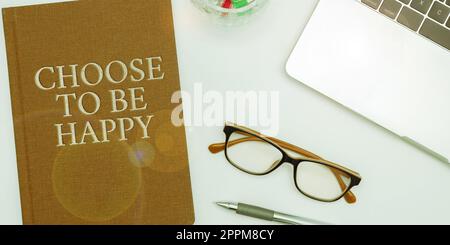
(401, 185)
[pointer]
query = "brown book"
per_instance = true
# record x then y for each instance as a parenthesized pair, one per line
(91, 86)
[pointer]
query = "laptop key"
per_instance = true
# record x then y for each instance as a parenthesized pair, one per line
(410, 18)
(390, 8)
(372, 3)
(421, 5)
(439, 12)
(436, 32)
(447, 2)
(448, 23)
(405, 1)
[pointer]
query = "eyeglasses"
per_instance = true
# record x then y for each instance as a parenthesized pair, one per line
(315, 177)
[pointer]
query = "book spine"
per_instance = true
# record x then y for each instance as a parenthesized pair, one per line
(9, 22)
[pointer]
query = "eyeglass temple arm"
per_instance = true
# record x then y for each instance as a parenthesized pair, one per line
(216, 148)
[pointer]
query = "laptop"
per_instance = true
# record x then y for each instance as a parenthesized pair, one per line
(388, 60)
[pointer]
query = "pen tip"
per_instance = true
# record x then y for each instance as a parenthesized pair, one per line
(226, 205)
(222, 204)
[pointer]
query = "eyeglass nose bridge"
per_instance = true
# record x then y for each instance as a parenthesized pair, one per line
(285, 159)
(290, 160)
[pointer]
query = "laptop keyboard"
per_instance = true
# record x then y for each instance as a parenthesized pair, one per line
(429, 18)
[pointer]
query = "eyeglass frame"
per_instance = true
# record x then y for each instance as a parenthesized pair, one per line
(231, 128)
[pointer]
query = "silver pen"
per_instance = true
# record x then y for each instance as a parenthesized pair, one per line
(267, 214)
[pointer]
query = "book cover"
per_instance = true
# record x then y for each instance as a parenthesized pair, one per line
(91, 85)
